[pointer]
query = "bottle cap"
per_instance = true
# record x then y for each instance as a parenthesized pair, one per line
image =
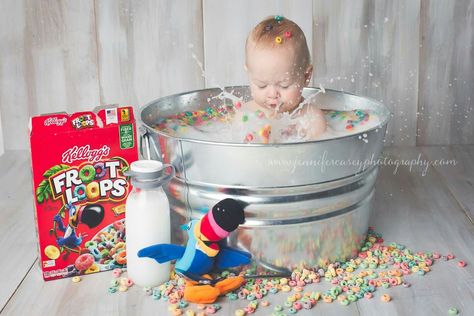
(148, 174)
(146, 166)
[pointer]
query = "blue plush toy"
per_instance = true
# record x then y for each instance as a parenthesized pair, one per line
(204, 252)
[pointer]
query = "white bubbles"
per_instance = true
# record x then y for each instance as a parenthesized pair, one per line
(363, 137)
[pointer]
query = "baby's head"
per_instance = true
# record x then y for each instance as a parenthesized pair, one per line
(278, 63)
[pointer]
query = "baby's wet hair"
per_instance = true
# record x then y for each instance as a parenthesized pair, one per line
(277, 31)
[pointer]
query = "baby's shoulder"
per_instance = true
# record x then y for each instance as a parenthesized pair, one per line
(308, 109)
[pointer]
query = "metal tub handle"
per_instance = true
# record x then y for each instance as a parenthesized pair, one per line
(146, 143)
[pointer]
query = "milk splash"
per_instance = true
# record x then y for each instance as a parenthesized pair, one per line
(236, 124)
(224, 94)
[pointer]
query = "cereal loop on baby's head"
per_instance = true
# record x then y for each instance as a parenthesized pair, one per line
(278, 31)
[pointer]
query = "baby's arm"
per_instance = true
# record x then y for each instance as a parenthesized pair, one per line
(312, 122)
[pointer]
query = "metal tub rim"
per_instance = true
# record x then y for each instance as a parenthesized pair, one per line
(221, 143)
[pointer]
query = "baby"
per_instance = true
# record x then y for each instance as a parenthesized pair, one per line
(279, 67)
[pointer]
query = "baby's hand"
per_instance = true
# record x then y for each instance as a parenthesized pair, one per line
(303, 133)
(313, 123)
(290, 131)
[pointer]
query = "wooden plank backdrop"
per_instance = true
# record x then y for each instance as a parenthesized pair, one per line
(2, 146)
(226, 26)
(414, 55)
(146, 49)
(447, 73)
(371, 48)
(16, 217)
(48, 62)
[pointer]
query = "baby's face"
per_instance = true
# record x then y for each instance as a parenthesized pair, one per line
(276, 79)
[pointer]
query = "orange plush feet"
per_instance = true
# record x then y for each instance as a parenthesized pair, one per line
(230, 284)
(207, 294)
(201, 294)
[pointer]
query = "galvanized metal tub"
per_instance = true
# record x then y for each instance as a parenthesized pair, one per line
(309, 202)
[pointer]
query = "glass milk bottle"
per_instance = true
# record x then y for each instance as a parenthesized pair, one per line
(147, 220)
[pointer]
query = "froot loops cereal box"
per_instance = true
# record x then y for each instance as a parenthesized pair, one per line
(78, 163)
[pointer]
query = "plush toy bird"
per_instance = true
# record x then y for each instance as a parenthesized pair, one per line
(204, 252)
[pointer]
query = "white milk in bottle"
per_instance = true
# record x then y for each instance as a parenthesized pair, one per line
(147, 219)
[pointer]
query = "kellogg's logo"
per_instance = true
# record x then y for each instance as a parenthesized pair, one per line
(55, 121)
(85, 153)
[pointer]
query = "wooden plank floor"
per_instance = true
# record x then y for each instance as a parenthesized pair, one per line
(425, 209)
